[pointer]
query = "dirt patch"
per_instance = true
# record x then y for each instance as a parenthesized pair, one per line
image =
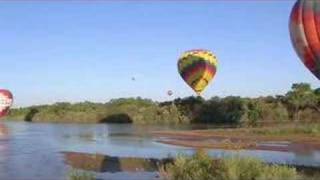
(235, 139)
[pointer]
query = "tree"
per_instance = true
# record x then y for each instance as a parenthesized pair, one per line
(270, 99)
(253, 112)
(317, 93)
(29, 117)
(300, 97)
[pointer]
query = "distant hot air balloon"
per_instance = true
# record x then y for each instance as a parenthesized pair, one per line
(197, 68)
(170, 93)
(6, 100)
(305, 33)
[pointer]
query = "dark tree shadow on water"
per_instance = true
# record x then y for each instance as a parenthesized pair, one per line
(117, 118)
(31, 114)
(112, 164)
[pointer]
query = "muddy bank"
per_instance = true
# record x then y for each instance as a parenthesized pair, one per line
(237, 139)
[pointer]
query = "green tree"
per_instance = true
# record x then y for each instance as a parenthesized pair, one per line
(300, 97)
(254, 113)
(317, 93)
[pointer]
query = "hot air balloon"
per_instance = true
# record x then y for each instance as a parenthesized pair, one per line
(305, 33)
(170, 93)
(6, 100)
(197, 68)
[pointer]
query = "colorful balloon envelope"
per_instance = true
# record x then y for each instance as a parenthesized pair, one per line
(305, 33)
(197, 68)
(6, 100)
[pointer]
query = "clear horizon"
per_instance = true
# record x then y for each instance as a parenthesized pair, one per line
(90, 51)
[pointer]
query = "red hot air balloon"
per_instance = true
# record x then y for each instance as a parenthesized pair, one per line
(6, 100)
(305, 33)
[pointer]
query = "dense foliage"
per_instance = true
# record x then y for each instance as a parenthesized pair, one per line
(201, 167)
(301, 103)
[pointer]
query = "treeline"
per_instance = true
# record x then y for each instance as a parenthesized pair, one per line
(300, 104)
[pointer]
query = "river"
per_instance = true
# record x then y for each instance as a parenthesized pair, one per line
(36, 150)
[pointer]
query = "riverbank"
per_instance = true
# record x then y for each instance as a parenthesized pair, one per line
(288, 138)
(170, 168)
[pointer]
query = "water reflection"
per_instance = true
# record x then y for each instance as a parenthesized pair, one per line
(103, 163)
(4, 147)
(3, 131)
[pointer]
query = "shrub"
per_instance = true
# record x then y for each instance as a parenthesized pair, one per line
(75, 174)
(201, 167)
(239, 168)
(197, 167)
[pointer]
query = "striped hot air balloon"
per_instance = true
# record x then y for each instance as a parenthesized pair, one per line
(197, 68)
(6, 100)
(305, 33)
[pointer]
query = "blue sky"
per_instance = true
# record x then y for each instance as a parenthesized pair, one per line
(76, 51)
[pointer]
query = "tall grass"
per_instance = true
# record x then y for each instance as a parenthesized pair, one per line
(201, 167)
(311, 129)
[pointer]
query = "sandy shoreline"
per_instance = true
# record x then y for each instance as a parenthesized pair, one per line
(237, 139)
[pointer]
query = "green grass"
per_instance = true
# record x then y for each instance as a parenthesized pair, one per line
(201, 167)
(251, 168)
(75, 174)
(311, 129)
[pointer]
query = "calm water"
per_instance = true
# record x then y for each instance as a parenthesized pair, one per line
(34, 151)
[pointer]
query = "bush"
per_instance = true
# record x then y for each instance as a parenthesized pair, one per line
(238, 168)
(75, 174)
(197, 167)
(201, 167)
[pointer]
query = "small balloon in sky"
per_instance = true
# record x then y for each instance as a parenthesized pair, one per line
(197, 68)
(170, 93)
(305, 33)
(6, 100)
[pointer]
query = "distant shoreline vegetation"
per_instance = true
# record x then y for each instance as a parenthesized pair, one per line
(300, 104)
